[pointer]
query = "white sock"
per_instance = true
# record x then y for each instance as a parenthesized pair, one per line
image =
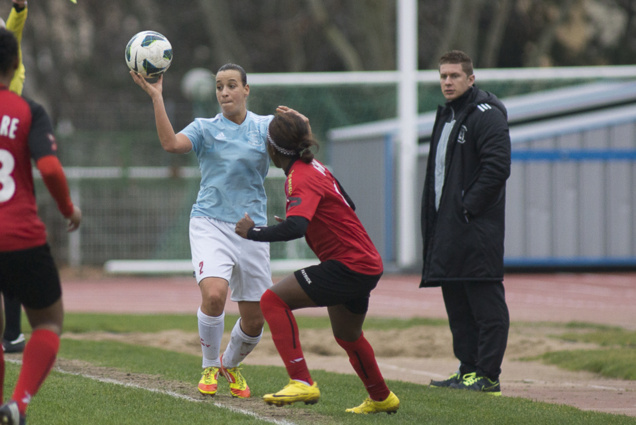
(239, 347)
(211, 333)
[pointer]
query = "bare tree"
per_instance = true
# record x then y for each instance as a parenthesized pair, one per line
(624, 50)
(341, 45)
(225, 40)
(74, 53)
(494, 37)
(375, 31)
(461, 29)
(555, 15)
(292, 27)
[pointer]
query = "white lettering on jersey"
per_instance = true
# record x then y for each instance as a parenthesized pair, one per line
(8, 126)
(7, 184)
(318, 166)
(335, 186)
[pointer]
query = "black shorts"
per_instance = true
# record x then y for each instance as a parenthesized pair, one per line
(30, 275)
(332, 283)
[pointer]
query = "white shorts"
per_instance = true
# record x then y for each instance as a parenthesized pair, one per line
(217, 251)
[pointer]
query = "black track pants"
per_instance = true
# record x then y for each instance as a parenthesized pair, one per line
(479, 321)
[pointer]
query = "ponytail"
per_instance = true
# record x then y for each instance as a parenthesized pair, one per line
(290, 136)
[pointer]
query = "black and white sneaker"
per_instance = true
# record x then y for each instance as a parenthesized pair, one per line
(15, 346)
(455, 378)
(474, 382)
(10, 415)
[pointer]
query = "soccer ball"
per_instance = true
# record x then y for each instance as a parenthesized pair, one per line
(149, 53)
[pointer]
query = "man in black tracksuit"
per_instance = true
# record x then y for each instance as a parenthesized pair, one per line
(463, 214)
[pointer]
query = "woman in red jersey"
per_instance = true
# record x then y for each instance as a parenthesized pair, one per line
(319, 209)
(27, 269)
(13, 339)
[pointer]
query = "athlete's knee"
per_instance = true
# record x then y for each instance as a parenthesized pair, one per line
(254, 330)
(351, 341)
(252, 325)
(213, 294)
(346, 334)
(271, 303)
(56, 328)
(50, 318)
(212, 305)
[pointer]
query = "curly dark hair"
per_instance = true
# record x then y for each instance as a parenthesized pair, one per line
(292, 133)
(8, 51)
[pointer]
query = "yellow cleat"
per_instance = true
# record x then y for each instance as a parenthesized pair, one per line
(390, 405)
(209, 381)
(293, 392)
(238, 386)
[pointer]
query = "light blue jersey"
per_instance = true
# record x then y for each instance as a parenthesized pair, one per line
(233, 162)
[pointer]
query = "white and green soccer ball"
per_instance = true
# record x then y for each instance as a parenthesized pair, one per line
(149, 54)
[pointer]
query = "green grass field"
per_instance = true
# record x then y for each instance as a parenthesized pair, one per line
(102, 382)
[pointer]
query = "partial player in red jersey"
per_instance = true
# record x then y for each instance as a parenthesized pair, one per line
(13, 340)
(350, 267)
(27, 269)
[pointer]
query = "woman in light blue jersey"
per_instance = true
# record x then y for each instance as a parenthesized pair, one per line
(232, 156)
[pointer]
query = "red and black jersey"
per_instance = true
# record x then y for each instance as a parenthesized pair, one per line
(334, 231)
(25, 133)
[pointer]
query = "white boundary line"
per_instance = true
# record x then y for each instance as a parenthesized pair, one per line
(169, 393)
(411, 371)
(527, 381)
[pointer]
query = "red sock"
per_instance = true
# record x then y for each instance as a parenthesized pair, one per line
(37, 361)
(362, 358)
(1, 376)
(284, 329)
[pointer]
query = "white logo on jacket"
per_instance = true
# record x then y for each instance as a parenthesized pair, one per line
(483, 107)
(461, 137)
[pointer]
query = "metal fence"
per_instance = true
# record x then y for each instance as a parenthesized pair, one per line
(569, 200)
(140, 213)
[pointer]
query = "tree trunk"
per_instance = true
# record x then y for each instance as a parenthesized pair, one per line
(541, 51)
(376, 33)
(345, 50)
(296, 58)
(225, 40)
(492, 45)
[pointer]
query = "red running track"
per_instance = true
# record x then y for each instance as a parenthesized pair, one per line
(594, 298)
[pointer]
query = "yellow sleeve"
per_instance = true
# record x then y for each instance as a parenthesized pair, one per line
(15, 24)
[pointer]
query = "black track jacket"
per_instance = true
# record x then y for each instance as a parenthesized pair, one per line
(464, 240)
